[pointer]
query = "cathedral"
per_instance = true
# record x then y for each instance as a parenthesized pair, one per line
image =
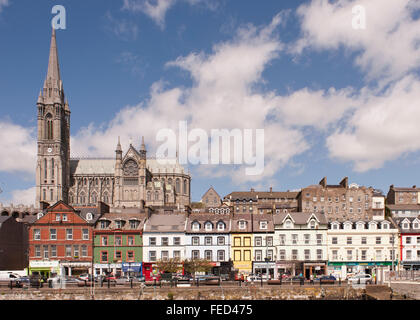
(129, 179)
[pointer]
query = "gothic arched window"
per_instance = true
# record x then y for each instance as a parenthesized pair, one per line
(156, 195)
(131, 168)
(94, 197)
(52, 168)
(149, 196)
(49, 127)
(52, 194)
(106, 199)
(185, 187)
(45, 170)
(82, 197)
(177, 186)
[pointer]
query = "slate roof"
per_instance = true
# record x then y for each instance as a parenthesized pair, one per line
(202, 218)
(125, 217)
(300, 218)
(252, 195)
(404, 206)
(165, 223)
(106, 166)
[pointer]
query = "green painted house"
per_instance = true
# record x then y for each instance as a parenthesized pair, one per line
(118, 243)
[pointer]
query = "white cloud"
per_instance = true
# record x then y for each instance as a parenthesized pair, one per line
(388, 47)
(122, 28)
(319, 109)
(3, 3)
(25, 197)
(156, 9)
(384, 127)
(223, 96)
(19, 148)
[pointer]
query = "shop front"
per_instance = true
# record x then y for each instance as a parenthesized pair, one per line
(262, 268)
(315, 269)
(345, 270)
(243, 267)
(107, 268)
(132, 269)
(284, 268)
(74, 269)
(411, 265)
(222, 268)
(44, 268)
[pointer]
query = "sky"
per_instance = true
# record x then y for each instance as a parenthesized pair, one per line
(334, 85)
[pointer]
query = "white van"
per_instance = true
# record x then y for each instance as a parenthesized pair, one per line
(7, 276)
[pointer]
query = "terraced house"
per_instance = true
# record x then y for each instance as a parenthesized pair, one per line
(207, 237)
(60, 240)
(264, 251)
(362, 246)
(164, 236)
(118, 242)
(242, 243)
(301, 242)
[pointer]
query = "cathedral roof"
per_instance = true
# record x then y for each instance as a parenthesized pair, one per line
(106, 166)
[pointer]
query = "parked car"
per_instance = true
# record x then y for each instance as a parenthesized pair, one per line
(24, 280)
(326, 279)
(85, 277)
(361, 279)
(7, 278)
(254, 278)
(296, 279)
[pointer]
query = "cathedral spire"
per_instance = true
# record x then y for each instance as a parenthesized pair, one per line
(143, 146)
(143, 149)
(53, 65)
(53, 86)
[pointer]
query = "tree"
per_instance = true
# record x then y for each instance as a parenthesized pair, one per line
(197, 265)
(173, 265)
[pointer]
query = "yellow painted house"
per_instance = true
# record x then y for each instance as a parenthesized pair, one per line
(242, 241)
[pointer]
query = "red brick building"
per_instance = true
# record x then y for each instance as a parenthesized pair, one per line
(61, 239)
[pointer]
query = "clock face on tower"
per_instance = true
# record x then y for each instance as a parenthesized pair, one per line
(49, 150)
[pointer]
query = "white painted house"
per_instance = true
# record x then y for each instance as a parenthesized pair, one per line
(300, 239)
(207, 236)
(164, 237)
(361, 247)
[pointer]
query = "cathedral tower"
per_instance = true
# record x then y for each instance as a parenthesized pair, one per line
(53, 162)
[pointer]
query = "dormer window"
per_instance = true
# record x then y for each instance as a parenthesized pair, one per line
(196, 226)
(288, 224)
(312, 224)
(360, 226)
(134, 224)
(221, 226)
(209, 226)
(406, 225)
(372, 226)
(118, 224)
(242, 225)
(385, 225)
(347, 226)
(415, 225)
(104, 224)
(40, 215)
(263, 225)
(335, 226)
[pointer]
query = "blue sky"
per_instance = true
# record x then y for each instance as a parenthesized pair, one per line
(334, 101)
